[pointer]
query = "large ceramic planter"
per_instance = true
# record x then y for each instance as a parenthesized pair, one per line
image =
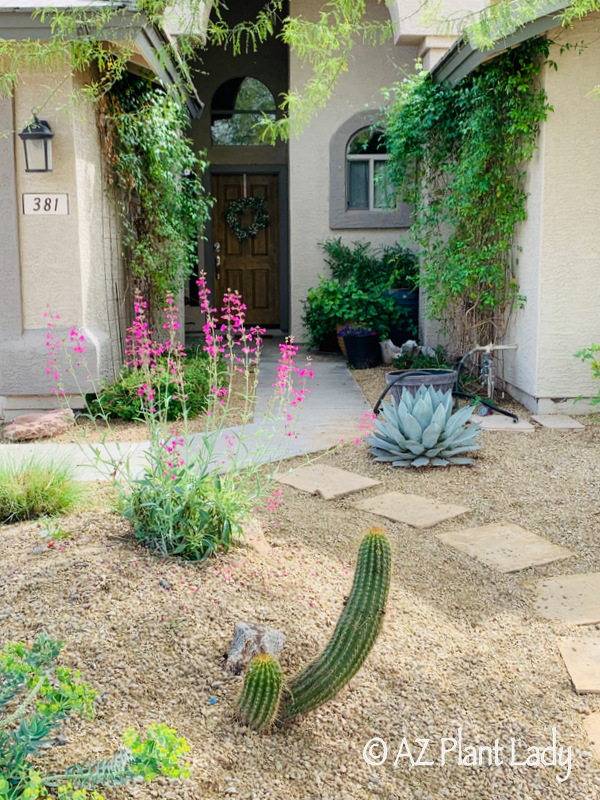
(441, 379)
(362, 352)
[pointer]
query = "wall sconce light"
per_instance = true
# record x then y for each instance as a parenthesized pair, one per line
(37, 142)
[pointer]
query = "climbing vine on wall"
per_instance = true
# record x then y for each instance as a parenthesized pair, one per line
(459, 155)
(156, 177)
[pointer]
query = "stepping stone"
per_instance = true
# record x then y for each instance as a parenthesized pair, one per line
(504, 546)
(574, 599)
(329, 482)
(498, 422)
(592, 727)
(582, 659)
(418, 512)
(559, 422)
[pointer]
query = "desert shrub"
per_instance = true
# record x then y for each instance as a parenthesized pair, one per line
(125, 398)
(36, 695)
(36, 488)
(183, 510)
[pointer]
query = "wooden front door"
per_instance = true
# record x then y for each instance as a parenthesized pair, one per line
(249, 266)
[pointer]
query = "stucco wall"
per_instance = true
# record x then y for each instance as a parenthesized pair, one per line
(520, 366)
(569, 298)
(359, 89)
(63, 260)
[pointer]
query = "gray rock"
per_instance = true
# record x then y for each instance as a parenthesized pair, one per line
(249, 640)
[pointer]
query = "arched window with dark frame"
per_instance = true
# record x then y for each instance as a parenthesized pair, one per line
(368, 187)
(237, 108)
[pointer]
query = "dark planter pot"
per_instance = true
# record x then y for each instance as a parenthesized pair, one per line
(330, 343)
(441, 379)
(363, 352)
(408, 299)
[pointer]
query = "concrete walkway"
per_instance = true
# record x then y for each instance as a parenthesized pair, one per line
(331, 411)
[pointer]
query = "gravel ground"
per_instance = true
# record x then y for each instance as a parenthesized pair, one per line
(460, 647)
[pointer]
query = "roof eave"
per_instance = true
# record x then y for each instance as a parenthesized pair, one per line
(463, 58)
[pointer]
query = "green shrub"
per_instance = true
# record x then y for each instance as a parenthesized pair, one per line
(122, 399)
(36, 488)
(358, 290)
(187, 510)
(36, 695)
(591, 354)
(422, 361)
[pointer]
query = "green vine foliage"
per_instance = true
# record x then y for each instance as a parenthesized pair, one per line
(459, 155)
(157, 176)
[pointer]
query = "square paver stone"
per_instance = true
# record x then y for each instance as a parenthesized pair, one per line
(574, 599)
(582, 659)
(591, 723)
(329, 482)
(498, 422)
(413, 510)
(505, 547)
(559, 422)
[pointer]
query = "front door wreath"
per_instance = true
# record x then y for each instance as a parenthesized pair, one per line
(236, 207)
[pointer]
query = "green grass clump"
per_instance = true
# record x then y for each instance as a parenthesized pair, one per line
(36, 488)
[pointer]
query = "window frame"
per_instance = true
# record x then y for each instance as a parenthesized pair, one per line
(371, 158)
(231, 113)
(340, 216)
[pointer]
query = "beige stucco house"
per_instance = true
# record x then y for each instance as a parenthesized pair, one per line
(71, 260)
(557, 249)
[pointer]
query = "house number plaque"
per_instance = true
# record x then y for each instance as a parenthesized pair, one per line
(44, 204)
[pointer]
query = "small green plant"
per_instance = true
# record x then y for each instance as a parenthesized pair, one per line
(591, 354)
(36, 695)
(419, 360)
(183, 511)
(124, 399)
(36, 488)
(421, 430)
(258, 703)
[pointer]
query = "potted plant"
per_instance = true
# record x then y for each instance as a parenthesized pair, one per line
(403, 269)
(362, 346)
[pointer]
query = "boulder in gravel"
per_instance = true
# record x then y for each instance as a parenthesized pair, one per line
(249, 640)
(39, 426)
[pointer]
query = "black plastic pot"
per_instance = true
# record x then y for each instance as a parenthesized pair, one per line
(363, 352)
(408, 299)
(330, 343)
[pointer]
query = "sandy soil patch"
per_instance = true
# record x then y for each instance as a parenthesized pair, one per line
(461, 645)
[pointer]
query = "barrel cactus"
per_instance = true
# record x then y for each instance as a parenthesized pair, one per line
(422, 430)
(258, 703)
(354, 635)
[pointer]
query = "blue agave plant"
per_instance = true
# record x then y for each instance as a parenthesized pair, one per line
(422, 430)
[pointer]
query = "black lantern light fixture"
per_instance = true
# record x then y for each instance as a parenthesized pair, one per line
(37, 142)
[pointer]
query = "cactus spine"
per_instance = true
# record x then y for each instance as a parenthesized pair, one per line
(354, 635)
(258, 703)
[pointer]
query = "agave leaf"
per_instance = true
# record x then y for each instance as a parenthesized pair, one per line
(439, 462)
(416, 448)
(460, 460)
(390, 413)
(467, 449)
(420, 462)
(460, 437)
(457, 420)
(422, 412)
(382, 444)
(440, 417)
(431, 434)
(412, 429)
(394, 434)
(382, 455)
(402, 464)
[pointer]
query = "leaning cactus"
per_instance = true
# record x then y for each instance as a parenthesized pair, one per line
(422, 430)
(259, 701)
(354, 635)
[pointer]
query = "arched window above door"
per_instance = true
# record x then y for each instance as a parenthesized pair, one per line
(237, 106)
